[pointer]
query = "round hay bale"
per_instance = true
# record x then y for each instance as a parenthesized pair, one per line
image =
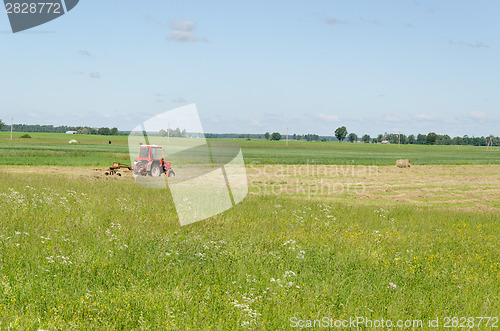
(403, 163)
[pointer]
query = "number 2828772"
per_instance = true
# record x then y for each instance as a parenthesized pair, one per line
(33, 8)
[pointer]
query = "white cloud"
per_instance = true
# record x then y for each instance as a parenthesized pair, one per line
(258, 123)
(450, 120)
(84, 52)
(477, 115)
(424, 117)
(95, 75)
(334, 21)
(370, 21)
(182, 25)
(477, 44)
(182, 31)
(179, 100)
(328, 118)
(394, 118)
(275, 115)
(362, 20)
(36, 115)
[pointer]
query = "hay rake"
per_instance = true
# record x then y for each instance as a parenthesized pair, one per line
(113, 170)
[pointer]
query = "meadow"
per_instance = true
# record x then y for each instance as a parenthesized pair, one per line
(81, 250)
(93, 150)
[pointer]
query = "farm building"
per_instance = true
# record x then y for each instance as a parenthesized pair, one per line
(70, 132)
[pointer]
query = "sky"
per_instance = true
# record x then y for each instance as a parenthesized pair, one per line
(374, 66)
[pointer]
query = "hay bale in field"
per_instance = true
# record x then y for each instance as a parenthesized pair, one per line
(403, 163)
(73, 141)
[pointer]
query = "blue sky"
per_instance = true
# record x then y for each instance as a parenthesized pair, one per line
(254, 66)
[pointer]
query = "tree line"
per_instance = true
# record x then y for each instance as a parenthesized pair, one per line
(306, 137)
(60, 129)
(234, 135)
(340, 135)
(173, 133)
(431, 138)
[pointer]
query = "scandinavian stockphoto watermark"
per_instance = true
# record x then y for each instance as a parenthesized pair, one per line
(204, 178)
(26, 14)
(310, 179)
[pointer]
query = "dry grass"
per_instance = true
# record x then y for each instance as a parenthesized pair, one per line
(468, 187)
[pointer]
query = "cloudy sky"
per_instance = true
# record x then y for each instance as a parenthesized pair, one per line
(254, 66)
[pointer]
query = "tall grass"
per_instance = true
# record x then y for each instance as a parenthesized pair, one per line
(103, 253)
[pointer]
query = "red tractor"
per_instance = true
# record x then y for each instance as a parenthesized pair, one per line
(150, 162)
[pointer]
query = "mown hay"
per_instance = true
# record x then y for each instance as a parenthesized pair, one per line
(403, 163)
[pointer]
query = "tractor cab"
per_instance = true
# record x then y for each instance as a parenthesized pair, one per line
(150, 162)
(150, 152)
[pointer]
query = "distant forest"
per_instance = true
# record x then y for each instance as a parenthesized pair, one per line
(62, 129)
(392, 138)
(433, 139)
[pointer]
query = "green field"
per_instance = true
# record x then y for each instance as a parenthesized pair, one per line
(80, 250)
(53, 149)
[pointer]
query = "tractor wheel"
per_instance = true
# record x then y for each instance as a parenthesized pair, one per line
(171, 173)
(155, 170)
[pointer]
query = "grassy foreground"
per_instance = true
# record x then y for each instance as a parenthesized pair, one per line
(103, 253)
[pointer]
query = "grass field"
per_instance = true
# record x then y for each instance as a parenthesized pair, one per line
(53, 149)
(80, 250)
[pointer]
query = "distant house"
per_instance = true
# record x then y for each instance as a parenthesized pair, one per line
(385, 142)
(70, 132)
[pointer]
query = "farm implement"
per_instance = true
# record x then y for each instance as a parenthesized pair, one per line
(113, 170)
